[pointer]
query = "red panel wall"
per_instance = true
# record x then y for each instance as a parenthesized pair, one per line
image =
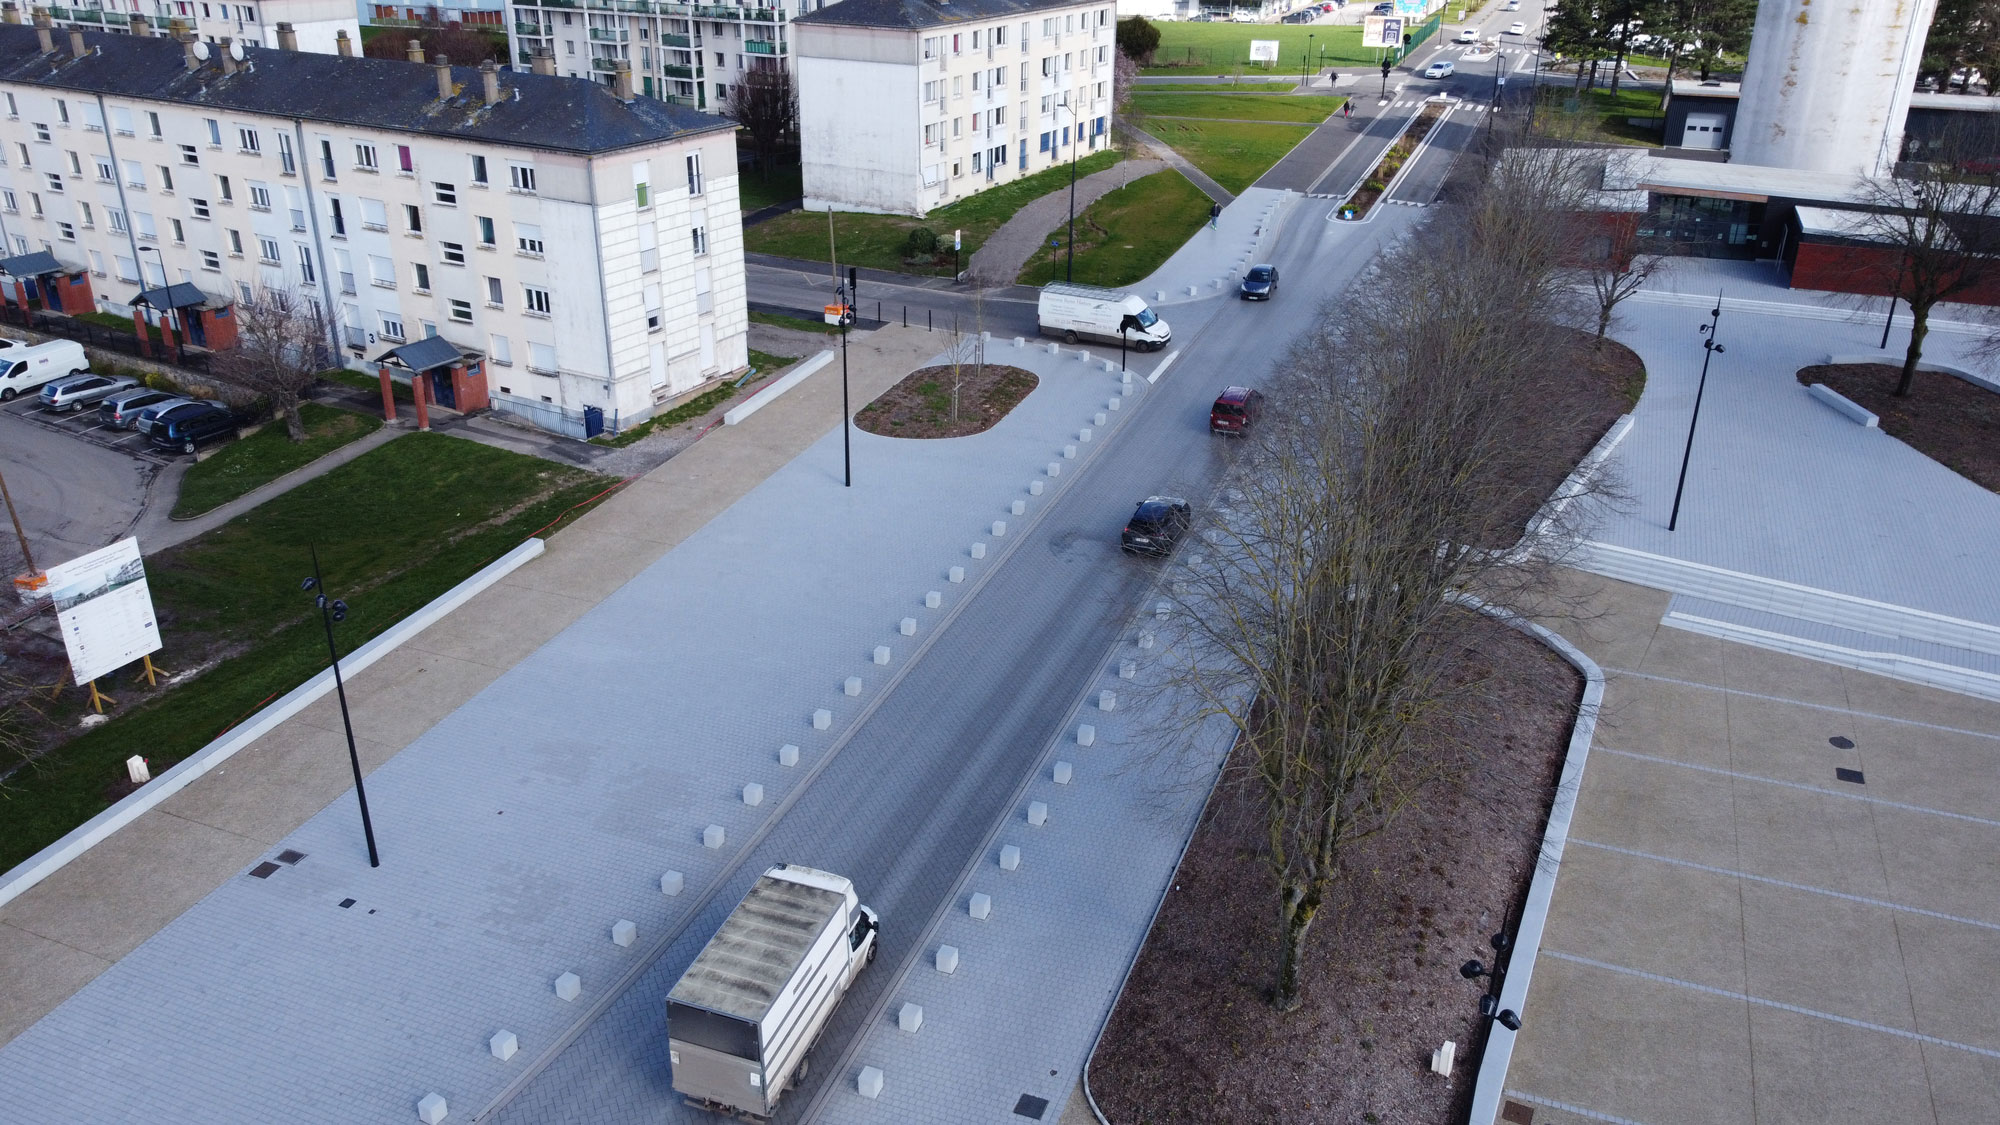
(1866, 270)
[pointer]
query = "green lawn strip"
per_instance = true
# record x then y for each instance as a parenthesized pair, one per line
(1245, 107)
(754, 190)
(795, 323)
(1234, 153)
(266, 455)
(877, 241)
(395, 528)
(1127, 233)
(370, 383)
(1249, 85)
(1220, 48)
(766, 363)
(1605, 112)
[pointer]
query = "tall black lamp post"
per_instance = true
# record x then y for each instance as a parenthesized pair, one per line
(331, 611)
(1075, 134)
(848, 294)
(1709, 349)
(1126, 325)
(1306, 62)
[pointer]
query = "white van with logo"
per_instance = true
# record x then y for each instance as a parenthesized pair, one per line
(23, 370)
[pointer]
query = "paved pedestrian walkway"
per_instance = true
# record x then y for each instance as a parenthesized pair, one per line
(1000, 259)
(1164, 152)
(157, 530)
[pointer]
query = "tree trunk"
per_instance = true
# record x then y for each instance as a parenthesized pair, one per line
(1299, 904)
(1603, 322)
(1920, 317)
(295, 422)
(1619, 64)
(1667, 90)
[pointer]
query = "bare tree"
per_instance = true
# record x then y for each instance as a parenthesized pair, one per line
(1617, 266)
(767, 106)
(280, 350)
(1942, 226)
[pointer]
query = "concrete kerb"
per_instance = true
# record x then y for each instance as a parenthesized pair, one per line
(770, 394)
(184, 773)
(1847, 407)
(1974, 378)
(1402, 171)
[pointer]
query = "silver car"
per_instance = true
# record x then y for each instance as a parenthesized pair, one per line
(119, 411)
(78, 391)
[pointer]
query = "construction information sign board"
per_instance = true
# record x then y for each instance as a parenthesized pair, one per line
(1264, 50)
(105, 610)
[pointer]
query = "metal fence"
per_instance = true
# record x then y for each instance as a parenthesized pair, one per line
(98, 336)
(580, 424)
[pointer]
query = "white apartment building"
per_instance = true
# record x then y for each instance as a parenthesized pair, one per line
(581, 250)
(906, 105)
(317, 23)
(691, 54)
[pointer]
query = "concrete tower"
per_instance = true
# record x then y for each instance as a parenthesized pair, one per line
(1828, 84)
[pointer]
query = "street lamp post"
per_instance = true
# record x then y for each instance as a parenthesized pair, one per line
(329, 613)
(848, 294)
(180, 333)
(1305, 63)
(1709, 349)
(1075, 134)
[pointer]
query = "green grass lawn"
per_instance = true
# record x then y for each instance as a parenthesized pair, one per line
(1250, 82)
(1219, 48)
(395, 528)
(1600, 114)
(1126, 234)
(877, 241)
(1232, 152)
(1246, 107)
(361, 381)
(266, 455)
(755, 190)
(795, 323)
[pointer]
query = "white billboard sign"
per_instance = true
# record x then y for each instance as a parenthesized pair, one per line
(1382, 31)
(1264, 50)
(105, 609)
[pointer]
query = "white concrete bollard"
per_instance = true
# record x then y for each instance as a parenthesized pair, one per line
(956, 574)
(999, 528)
(1145, 640)
(1159, 294)
(1128, 669)
(1018, 508)
(851, 686)
(1083, 354)
(947, 959)
(672, 883)
(1083, 434)
(713, 837)
(136, 769)
(568, 986)
(1062, 773)
(624, 932)
(1086, 735)
(881, 654)
(1126, 378)
(753, 794)
(1010, 857)
(981, 906)
(1193, 290)
(933, 599)
(431, 1109)
(1106, 700)
(910, 1017)
(1034, 488)
(907, 627)
(1055, 468)
(822, 719)
(1110, 366)
(870, 1082)
(1055, 349)
(1038, 813)
(1020, 342)
(788, 755)
(1069, 452)
(979, 550)
(503, 1044)
(1100, 418)
(1113, 404)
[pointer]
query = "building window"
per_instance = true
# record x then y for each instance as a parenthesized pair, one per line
(223, 189)
(500, 352)
(306, 274)
(214, 131)
(700, 239)
(66, 232)
(446, 194)
(166, 178)
(135, 174)
(7, 199)
(210, 260)
(42, 133)
(486, 231)
(189, 156)
(247, 139)
(542, 357)
(55, 182)
(461, 311)
(420, 276)
(413, 218)
(199, 207)
(695, 186)
(260, 197)
(374, 215)
(115, 219)
(522, 177)
(180, 233)
(536, 300)
(34, 202)
(495, 293)
(62, 110)
(528, 238)
(478, 169)
(286, 163)
(153, 123)
(267, 251)
(339, 219)
(381, 271)
(326, 160)
(364, 158)
(106, 172)
(453, 252)
(236, 243)
(25, 161)
(392, 327)
(404, 162)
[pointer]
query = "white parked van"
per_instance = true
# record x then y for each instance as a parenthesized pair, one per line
(23, 370)
(1076, 312)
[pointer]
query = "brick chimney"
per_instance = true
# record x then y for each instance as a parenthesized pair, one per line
(76, 48)
(621, 81)
(441, 65)
(413, 50)
(489, 81)
(288, 40)
(543, 61)
(142, 27)
(188, 41)
(43, 32)
(342, 44)
(222, 45)
(10, 13)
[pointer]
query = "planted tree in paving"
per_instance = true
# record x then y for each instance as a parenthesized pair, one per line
(281, 347)
(1938, 223)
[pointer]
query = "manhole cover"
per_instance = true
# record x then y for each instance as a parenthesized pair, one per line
(346, 902)
(1031, 1106)
(264, 870)
(290, 856)
(1841, 742)
(1518, 1114)
(1845, 774)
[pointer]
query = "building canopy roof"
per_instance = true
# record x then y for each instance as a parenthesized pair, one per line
(535, 111)
(32, 265)
(422, 355)
(179, 295)
(927, 13)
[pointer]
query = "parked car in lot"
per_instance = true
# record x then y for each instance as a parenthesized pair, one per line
(1157, 524)
(25, 369)
(120, 409)
(79, 391)
(1235, 411)
(188, 427)
(1440, 69)
(150, 416)
(1260, 284)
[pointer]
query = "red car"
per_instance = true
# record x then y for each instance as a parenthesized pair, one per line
(1235, 411)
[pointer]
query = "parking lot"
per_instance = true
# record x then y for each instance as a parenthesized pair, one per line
(84, 424)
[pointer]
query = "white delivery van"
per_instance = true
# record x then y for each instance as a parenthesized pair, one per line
(23, 370)
(743, 1017)
(1076, 312)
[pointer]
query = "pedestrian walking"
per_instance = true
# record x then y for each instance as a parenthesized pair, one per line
(1214, 215)
(1347, 108)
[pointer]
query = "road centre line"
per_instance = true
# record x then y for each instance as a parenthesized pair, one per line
(1801, 785)
(1802, 703)
(1767, 880)
(1760, 1001)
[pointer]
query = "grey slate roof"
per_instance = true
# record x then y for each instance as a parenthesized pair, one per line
(538, 111)
(179, 295)
(422, 355)
(925, 13)
(31, 265)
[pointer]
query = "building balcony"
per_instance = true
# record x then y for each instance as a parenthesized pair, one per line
(527, 55)
(610, 34)
(528, 29)
(640, 7)
(600, 62)
(672, 70)
(684, 41)
(759, 47)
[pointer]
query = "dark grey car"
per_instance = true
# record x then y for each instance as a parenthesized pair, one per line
(1260, 284)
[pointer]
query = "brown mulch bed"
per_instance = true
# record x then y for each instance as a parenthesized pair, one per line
(1945, 418)
(1193, 1038)
(920, 405)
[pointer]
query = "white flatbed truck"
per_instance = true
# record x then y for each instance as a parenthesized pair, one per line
(743, 1018)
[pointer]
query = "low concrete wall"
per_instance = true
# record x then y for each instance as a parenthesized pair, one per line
(770, 394)
(1845, 405)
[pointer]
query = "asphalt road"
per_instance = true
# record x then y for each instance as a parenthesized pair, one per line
(73, 496)
(907, 801)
